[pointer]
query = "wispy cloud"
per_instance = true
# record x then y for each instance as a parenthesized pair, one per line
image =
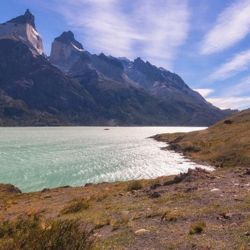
(242, 88)
(238, 63)
(233, 102)
(151, 29)
(236, 96)
(164, 25)
(232, 25)
(205, 92)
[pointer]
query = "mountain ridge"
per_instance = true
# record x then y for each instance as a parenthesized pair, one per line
(73, 86)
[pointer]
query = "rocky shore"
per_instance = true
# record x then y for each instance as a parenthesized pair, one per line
(225, 144)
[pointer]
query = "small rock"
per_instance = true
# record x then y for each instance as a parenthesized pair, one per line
(247, 172)
(45, 190)
(67, 186)
(97, 235)
(227, 215)
(215, 190)
(212, 177)
(141, 231)
(88, 184)
(237, 199)
(228, 122)
(247, 234)
(8, 188)
(191, 189)
(154, 186)
(154, 195)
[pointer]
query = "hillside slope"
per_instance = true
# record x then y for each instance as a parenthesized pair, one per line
(225, 144)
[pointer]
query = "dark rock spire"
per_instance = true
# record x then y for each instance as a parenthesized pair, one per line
(26, 18)
(68, 37)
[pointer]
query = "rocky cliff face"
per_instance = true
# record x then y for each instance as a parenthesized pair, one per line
(65, 51)
(23, 29)
(182, 105)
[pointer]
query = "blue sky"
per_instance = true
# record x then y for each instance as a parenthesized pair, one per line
(206, 42)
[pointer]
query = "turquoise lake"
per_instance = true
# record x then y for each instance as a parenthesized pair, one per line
(33, 158)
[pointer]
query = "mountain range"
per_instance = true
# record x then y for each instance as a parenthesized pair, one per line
(74, 87)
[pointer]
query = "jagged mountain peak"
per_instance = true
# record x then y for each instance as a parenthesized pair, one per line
(22, 28)
(68, 37)
(28, 17)
(112, 61)
(138, 60)
(66, 51)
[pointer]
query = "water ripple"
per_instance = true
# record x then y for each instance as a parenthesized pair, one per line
(35, 158)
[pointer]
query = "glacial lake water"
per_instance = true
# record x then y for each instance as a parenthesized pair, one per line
(34, 158)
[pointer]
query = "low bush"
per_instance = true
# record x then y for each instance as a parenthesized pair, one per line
(228, 122)
(170, 216)
(134, 185)
(197, 228)
(75, 207)
(29, 234)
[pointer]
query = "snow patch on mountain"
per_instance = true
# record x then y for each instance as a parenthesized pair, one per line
(25, 33)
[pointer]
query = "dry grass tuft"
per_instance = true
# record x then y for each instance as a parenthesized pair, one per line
(134, 185)
(32, 233)
(197, 228)
(75, 207)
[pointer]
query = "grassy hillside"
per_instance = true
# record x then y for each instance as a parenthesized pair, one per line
(225, 144)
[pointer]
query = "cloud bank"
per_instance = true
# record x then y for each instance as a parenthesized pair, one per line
(205, 92)
(236, 96)
(233, 102)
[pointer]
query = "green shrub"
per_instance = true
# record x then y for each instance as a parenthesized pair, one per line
(197, 228)
(32, 234)
(134, 185)
(75, 207)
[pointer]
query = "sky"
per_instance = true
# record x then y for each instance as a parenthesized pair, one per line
(206, 42)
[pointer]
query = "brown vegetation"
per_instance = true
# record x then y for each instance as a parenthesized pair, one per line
(193, 210)
(120, 219)
(226, 144)
(34, 233)
(75, 207)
